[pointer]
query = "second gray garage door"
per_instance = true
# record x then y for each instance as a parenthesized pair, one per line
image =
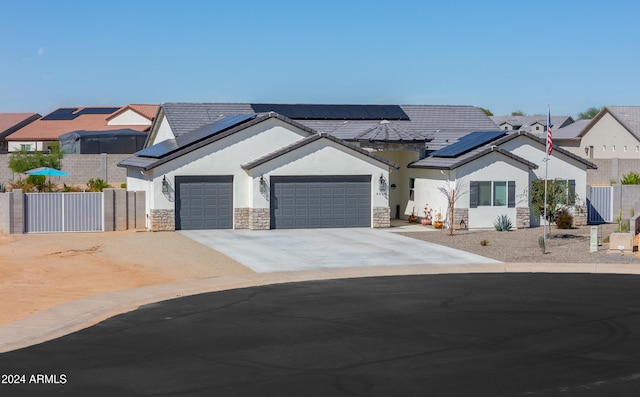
(204, 202)
(320, 201)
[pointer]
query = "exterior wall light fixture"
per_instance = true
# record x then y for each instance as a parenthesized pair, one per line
(383, 183)
(165, 185)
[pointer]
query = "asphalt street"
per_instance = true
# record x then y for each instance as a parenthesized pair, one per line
(436, 335)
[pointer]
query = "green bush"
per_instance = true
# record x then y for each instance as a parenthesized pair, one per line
(564, 219)
(503, 223)
(632, 178)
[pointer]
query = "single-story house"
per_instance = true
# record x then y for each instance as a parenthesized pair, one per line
(40, 134)
(267, 165)
(12, 122)
(260, 171)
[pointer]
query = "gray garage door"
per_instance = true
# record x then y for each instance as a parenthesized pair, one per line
(204, 202)
(320, 201)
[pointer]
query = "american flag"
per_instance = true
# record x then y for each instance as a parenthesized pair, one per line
(549, 140)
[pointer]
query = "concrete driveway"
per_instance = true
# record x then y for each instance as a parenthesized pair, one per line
(286, 250)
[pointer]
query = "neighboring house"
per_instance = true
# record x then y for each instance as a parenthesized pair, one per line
(12, 122)
(613, 134)
(257, 162)
(39, 135)
(535, 124)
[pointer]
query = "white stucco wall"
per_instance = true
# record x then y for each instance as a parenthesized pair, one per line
(609, 138)
(164, 132)
(224, 157)
(16, 146)
(493, 167)
(129, 117)
(400, 177)
(322, 157)
(560, 165)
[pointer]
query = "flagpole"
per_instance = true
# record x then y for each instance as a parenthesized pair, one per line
(546, 175)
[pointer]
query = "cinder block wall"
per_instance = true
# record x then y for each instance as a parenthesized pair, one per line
(610, 170)
(82, 167)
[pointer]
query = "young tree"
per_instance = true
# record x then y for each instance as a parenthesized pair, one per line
(518, 113)
(487, 111)
(21, 162)
(589, 113)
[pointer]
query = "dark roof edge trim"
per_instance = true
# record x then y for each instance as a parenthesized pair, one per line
(492, 149)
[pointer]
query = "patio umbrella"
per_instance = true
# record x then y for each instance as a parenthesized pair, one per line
(46, 171)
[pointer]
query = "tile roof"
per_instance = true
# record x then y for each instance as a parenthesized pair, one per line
(571, 131)
(148, 111)
(524, 123)
(45, 130)
(387, 131)
(442, 122)
(10, 122)
(628, 116)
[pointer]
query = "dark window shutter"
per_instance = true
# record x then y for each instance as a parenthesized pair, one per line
(511, 193)
(473, 194)
(572, 192)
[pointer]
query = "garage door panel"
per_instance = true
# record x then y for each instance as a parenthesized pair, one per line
(204, 202)
(314, 202)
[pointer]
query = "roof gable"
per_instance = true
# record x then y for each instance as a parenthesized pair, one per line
(11, 122)
(307, 141)
(170, 149)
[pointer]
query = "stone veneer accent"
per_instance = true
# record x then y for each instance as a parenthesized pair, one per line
(580, 216)
(381, 217)
(260, 219)
(162, 220)
(241, 218)
(523, 217)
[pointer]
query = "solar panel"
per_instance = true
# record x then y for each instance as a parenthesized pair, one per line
(171, 145)
(68, 113)
(334, 112)
(468, 143)
(61, 114)
(97, 110)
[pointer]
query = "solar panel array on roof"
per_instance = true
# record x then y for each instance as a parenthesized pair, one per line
(334, 112)
(468, 143)
(171, 145)
(68, 113)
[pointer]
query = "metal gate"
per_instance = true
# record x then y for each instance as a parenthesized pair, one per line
(599, 204)
(63, 212)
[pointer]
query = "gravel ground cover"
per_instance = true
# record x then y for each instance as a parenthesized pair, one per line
(521, 245)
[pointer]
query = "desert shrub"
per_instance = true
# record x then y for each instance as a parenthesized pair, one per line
(25, 184)
(564, 219)
(624, 225)
(503, 223)
(97, 185)
(123, 185)
(484, 242)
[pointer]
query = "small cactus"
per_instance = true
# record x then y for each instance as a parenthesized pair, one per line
(541, 244)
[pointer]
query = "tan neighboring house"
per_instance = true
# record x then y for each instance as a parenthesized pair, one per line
(12, 122)
(613, 134)
(40, 134)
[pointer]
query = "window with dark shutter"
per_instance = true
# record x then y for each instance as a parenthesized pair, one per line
(511, 200)
(572, 192)
(473, 194)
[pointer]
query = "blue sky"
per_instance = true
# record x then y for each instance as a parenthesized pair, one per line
(501, 55)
